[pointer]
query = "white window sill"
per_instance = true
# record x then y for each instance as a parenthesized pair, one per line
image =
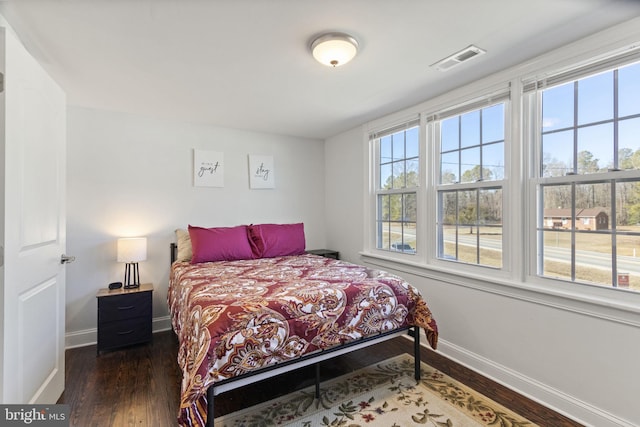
(616, 305)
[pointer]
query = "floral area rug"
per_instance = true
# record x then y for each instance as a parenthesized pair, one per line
(381, 395)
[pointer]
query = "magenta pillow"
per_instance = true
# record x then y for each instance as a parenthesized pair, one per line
(220, 244)
(272, 240)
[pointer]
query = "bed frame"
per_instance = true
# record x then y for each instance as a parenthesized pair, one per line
(309, 359)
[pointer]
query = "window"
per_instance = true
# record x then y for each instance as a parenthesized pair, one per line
(398, 176)
(556, 199)
(470, 187)
(588, 171)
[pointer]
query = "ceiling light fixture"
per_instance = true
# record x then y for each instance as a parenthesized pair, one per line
(334, 49)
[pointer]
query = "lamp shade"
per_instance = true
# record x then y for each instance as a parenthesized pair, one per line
(334, 49)
(132, 249)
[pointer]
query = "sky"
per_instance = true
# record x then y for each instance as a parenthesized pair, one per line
(595, 113)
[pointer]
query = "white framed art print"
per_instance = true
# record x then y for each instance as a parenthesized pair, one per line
(261, 173)
(208, 168)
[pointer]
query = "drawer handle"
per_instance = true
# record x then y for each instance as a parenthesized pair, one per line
(125, 332)
(128, 307)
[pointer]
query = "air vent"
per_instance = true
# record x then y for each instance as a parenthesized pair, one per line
(459, 57)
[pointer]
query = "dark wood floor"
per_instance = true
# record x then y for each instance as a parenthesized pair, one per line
(140, 386)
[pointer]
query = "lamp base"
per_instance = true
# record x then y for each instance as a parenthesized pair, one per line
(131, 275)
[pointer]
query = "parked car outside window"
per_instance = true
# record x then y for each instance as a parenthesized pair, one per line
(403, 247)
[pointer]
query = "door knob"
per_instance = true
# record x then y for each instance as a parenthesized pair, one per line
(65, 259)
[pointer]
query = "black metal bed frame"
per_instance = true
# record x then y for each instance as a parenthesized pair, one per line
(306, 360)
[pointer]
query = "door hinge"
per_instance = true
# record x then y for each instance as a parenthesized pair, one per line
(1, 82)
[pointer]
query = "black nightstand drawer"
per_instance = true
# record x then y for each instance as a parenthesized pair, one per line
(124, 332)
(124, 316)
(120, 307)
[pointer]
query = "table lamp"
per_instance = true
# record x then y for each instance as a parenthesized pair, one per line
(131, 250)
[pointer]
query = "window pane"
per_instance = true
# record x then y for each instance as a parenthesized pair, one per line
(385, 149)
(449, 137)
(448, 249)
(628, 206)
(470, 226)
(470, 129)
(493, 124)
(399, 232)
(628, 264)
(448, 207)
(467, 230)
(556, 202)
(398, 145)
(395, 207)
(556, 260)
(557, 153)
(383, 207)
(557, 107)
(470, 165)
(412, 173)
(412, 143)
(467, 208)
(383, 235)
(593, 258)
(595, 98)
(593, 203)
(409, 224)
(490, 208)
(629, 90)
(493, 161)
(490, 244)
(410, 207)
(447, 228)
(490, 230)
(397, 180)
(628, 241)
(386, 178)
(449, 168)
(595, 148)
(629, 143)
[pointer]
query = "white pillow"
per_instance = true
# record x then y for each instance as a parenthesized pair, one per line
(185, 253)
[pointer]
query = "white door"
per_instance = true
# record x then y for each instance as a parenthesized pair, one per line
(33, 111)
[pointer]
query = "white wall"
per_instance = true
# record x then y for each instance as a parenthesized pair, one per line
(579, 356)
(132, 176)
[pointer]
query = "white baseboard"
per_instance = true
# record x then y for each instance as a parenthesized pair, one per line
(90, 336)
(550, 397)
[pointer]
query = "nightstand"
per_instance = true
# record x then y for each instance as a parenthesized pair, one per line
(124, 316)
(327, 253)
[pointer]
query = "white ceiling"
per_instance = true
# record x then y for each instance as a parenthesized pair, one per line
(246, 63)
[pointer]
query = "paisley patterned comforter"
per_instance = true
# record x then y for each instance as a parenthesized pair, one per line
(235, 316)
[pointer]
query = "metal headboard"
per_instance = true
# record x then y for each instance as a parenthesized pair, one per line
(174, 252)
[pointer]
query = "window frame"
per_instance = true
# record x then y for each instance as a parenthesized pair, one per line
(434, 120)
(533, 117)
(373, 140)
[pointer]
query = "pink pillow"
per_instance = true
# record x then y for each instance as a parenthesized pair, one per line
(272, 240)
(220, 244)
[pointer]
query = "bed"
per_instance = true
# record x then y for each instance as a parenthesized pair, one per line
(247, 311)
